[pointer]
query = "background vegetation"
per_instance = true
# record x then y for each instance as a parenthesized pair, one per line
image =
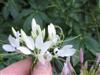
(79, 19)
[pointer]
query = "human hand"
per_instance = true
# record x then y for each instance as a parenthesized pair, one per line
(23, 67)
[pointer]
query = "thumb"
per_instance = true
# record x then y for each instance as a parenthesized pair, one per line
(42, 68)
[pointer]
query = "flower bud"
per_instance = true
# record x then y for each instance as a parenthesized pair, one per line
(81, 56)
(98, 58)
(67, 69)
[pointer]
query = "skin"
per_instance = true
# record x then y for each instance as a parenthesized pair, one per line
(23, 67)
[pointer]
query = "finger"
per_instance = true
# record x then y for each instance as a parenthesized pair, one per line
(42, 69)
(20, 68)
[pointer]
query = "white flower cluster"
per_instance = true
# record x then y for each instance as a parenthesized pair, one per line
(35, 44)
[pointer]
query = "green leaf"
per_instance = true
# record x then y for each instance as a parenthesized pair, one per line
(75, 58)
(5, 11)
(13, 9)
(75, 41)
(58, 65)
(44, 16)
(92, 45)
(38, 19)
(25, 13)
(27, 24)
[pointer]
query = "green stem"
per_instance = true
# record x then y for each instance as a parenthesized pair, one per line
(73, 38)
(7, 54)
(62, 59)
(3, 41)
(33, 64)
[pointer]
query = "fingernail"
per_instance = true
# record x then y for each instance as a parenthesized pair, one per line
(46, 64)
(42, 69)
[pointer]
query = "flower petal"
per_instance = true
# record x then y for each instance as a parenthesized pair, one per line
(38, 29)
(34, 35)
(39, 41)
(34, 25)
(17, 34)
(8, 48)
(28, 40)
(14, 31)
(66, 51)
(43, 33)
(46, 46)
(41, 58)
(51, 31)
(23, 34)
(14, 42)
(67, 47)
(24, 50)
(48, 56)
(30, 43)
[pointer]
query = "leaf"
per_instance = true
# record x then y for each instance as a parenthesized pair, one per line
(39, 5)
(27, 24)
(38, 18)
(58, 65)
(44, 16)
(5, 11)
(75, 58)
(25, 13)
(13, 9)
(75, 41)
(92, 45)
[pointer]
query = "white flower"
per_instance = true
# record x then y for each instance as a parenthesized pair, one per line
(42, 47)
(34, 25)
(29, 42)
(52, 33)
(37, 44)
(14, 44)
(36, 29)
(16, 33)
(66, 51)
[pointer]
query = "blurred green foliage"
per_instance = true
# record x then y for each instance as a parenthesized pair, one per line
(76, 18)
